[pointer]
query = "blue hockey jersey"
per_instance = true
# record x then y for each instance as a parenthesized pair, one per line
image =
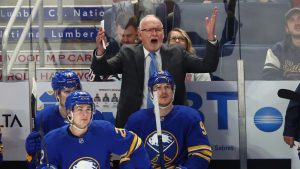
(66, 151)
(185, 141)
(49, 119)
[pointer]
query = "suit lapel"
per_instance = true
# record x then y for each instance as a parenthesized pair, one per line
(139, 62)
(164, 59)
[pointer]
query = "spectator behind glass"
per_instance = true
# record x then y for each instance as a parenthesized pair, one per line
(126, 30)
(180, 37)
(110, 15)
(283, 59)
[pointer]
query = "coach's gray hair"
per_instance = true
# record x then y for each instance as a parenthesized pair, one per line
(146, 18)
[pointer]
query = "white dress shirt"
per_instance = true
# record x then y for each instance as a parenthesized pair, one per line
(147, 61)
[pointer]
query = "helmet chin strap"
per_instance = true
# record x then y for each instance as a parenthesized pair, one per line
(167, 106)
(71, 118)
(77, 128)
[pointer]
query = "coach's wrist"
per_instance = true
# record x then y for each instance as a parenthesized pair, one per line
(99, 52)
(212, 38)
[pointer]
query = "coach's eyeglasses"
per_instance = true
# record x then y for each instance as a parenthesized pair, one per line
(150, 30)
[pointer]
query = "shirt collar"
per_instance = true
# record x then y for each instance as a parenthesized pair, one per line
(146, 52)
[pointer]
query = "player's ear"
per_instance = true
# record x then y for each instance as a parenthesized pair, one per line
(56, 94)
(69, 116)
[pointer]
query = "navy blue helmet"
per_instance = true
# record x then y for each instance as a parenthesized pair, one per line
(161, 77)
(78, 97)
(65, 79)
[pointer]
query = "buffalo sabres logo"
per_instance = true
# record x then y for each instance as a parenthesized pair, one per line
(170, 147)
(85, 163)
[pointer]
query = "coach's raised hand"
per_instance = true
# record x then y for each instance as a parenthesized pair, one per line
(210, 24)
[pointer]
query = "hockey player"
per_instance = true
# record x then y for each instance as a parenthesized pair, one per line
(184, 138)
(52, 117)
(87, 144)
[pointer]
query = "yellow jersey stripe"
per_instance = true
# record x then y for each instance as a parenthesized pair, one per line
(139, 142)
(132, 146)
(201, 155)
(124, 160)
(199, 147)
(206, 152)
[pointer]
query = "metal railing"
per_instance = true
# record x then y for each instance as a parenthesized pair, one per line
(5, 38)
(7, 67)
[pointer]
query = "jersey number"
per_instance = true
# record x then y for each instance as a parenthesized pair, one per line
(121, 131)
(203, 128)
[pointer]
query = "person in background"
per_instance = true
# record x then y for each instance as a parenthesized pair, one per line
(87, 143)
(185, 145)
(178, 36)
(111, 14)
(52, 117)
(126, 30)
(283, 59)
(291, 132)
(137, 62)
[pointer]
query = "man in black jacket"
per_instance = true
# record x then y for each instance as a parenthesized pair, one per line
(133, 62)
(126, 30)
(291, 131)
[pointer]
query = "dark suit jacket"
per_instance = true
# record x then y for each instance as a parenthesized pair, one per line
(292, 118)
(111, 51)
(130, 63)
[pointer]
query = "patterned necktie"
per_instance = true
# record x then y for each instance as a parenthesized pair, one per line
(153, 65)
(152, 69)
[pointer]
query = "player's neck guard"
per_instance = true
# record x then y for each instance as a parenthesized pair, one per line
(165, 107)
(71, 119)
(77, 128)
